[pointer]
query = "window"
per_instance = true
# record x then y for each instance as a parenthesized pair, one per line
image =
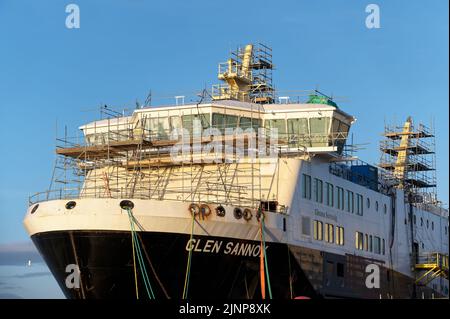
(414, 219)
(421, 221)
(339, 269)
(340, 198)
(376, 205)
(385, 208)
(247, 122)
(329, 271)
(427, 223)
(340, 236)
(359, 204)
(318, 190)
(370, 243)
(306, 186)
(306, 226)
(350, 201)
(319, 125)
(329, 233)
(359, 240)
(223, 121)
(330, 197)
(319, 131)
(188, 121)
(298, 132)
(368, 202)
(366, 242)
(318, 230)
(159, 128)
(175, 122)
(377, 245)
(445, 229)
(384, 247)
(278, 125)
(432, 225)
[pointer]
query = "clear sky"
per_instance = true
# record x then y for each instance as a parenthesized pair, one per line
(49, 73)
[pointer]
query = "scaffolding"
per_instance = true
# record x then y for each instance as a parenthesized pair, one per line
(247, 76)
(408, 154)
(433, 265)
(120, 158)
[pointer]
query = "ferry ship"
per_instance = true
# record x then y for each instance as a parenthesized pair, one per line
(241, 194)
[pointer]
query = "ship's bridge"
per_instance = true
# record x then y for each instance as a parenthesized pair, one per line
(314, 126)
(318, 127)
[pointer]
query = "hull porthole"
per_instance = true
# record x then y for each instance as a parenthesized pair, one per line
(126, 204)
(220, 211)
(71, 205)
(194, 209)
(34, 209)
(247, 214)
(237, 212)
(205, 211)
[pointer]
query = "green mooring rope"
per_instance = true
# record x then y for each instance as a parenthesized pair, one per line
(137, 248)
(265, 258)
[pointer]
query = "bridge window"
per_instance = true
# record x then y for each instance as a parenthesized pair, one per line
(370, 243)
(279, 125)
(188, 121)
(175, 122)
(319, 125)
(298, 132)
(223, 121)
(319, 131)
(247, 122)
(376, 205)
(366, 242)
(159, 127)
(298, 126)
(384, 247)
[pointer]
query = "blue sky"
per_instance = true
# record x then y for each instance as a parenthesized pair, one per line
(49, 73)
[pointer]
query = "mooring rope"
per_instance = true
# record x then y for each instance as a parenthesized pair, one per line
(290, 272)
(137, 251)
(188, 266)
(266, 268)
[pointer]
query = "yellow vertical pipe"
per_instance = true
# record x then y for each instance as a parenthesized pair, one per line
(247, 60)
(402, 158)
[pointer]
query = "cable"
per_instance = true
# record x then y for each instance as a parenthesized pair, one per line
(137, 252)
(188, 266)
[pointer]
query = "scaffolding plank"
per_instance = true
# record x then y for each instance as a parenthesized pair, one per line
(398, 135)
